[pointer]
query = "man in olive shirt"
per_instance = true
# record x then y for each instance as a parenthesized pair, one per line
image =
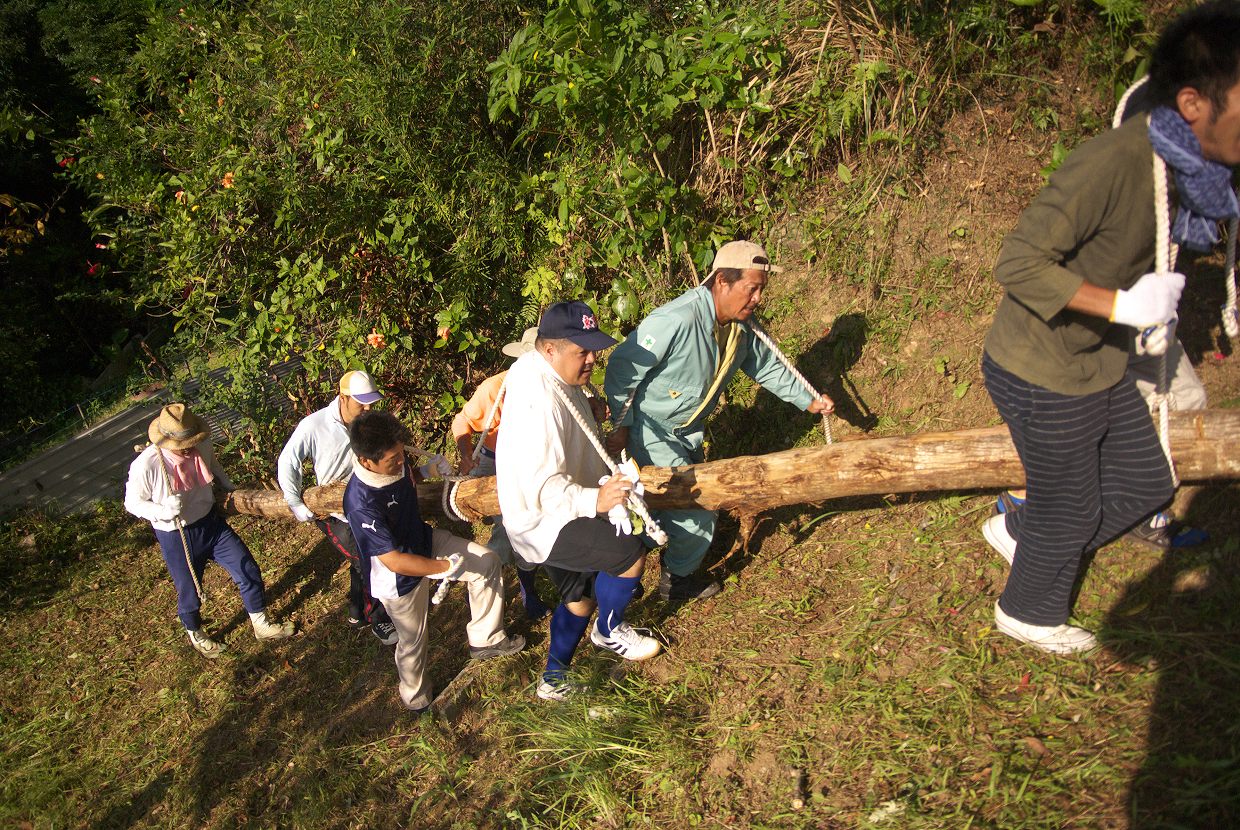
(1077, 271)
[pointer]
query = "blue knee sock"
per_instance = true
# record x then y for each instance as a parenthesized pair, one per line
(534, 607)
(613, 594)
(567, 630)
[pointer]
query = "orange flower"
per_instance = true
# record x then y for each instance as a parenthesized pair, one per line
(443, 332)
(376, 340)
(227, 181)
(180, 195)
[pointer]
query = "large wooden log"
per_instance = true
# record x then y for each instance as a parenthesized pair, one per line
(1205, 444)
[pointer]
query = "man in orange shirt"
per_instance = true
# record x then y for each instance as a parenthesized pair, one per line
(481, 417)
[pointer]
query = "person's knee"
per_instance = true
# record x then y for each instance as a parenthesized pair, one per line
(583, 607)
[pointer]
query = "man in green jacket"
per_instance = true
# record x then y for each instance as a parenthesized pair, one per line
(664, 380)
(1082, 279)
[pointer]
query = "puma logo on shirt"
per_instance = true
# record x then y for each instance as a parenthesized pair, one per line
(369, 526)
(392, 503)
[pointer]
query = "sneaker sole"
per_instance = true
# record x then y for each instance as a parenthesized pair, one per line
(994, 542)
(1051, 648)
(1041, 645)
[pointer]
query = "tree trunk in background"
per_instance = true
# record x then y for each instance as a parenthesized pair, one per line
(1205, 444)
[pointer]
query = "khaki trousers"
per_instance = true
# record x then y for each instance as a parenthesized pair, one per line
(481, 574)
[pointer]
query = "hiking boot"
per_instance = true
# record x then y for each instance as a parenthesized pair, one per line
(995, 531)
(509, 645)
(1056, 639)
(1161, 532)
(557, 691)
(675, 588)
(265, 629)
(626, 641)
(385, 632)
(1006, 502)
(203, 644)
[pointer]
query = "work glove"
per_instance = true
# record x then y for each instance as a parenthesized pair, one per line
(1231, 320)
(619, 515)
(1155, 340)
(437, 466)
(302, 513)
(456, 564)
(170, 507)
(1152, 301)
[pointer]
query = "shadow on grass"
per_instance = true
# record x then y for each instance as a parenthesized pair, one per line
(309, 576)
(1181, 619)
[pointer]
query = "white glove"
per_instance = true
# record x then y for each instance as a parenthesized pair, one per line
(437, 466)
(171, 507)
(1155, 340)
(302, 513)
(1151, 300)
(619, 517)
(455, 564)
(1231, 320)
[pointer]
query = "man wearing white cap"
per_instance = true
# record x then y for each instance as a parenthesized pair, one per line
(665, 379)
(323, 437)
(170, 486)
(481, 416)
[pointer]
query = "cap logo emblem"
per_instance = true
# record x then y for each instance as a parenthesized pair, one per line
(587, 322)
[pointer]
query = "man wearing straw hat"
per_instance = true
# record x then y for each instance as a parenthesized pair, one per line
(481, 417)
(323, 437)
(170, 486)
(665, 379)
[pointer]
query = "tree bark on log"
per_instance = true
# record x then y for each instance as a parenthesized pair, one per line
(1205, 445)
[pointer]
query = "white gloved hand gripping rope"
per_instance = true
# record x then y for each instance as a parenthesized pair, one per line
(455, 563)
(618, 515)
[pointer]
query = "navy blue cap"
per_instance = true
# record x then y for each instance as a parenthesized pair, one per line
(574, 321)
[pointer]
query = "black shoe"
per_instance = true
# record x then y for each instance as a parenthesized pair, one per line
(385, 632)
(686, 588)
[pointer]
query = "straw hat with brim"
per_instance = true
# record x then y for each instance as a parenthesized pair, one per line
(520, 347)
(177, 428)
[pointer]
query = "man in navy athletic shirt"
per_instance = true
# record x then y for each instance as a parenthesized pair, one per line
(400, 554)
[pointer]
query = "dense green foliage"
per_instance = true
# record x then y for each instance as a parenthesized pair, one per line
(63, 312)
(405, 186)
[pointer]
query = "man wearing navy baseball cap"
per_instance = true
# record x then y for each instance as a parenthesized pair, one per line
(554, 507)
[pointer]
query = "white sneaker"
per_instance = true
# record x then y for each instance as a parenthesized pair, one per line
(1057, 639)
(265, 629)
(626, 641)
(557, 692)
(996, 534)
(204, 645)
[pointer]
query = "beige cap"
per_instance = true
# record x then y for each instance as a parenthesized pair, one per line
(743, 256)
(522, 346)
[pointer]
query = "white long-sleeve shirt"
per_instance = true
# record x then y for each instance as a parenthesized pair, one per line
(322, 437)
(147, 495)
(547, 471)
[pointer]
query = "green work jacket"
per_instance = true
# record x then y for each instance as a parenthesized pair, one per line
(666, 367)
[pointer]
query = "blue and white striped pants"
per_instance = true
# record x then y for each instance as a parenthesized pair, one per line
(1093, 469)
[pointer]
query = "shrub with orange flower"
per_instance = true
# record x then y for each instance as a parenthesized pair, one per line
(376, 340)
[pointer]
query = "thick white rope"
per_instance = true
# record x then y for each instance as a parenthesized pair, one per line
(1118, 117)
(1231, 317)
(761, 334)
(490, 421)
(180, 526)
(635, 502)
(1165, 254)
